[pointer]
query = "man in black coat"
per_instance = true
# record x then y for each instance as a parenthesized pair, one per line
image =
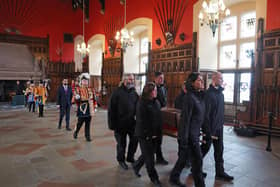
(214, 123)
(64, 97)
(121, 119)
(162, 98)
(179, 105)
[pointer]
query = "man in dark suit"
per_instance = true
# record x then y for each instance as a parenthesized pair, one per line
(64, 97)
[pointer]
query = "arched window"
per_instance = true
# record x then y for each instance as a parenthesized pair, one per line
(78, 58)
(136, 57)
(97, 43)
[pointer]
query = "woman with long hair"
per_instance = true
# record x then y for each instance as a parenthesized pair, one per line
(192, 117)
(148, 129)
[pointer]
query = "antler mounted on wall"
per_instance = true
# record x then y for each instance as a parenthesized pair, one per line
(169, 14)
(110, 30)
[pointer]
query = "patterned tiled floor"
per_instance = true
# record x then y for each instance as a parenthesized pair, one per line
(34, 153)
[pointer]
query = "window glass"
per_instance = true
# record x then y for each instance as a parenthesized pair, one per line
(245, 54)
(144, 45)
(228, 28)
(229, 87)
(245, 85)
(248, 25)
(143, 63)
(228, 56)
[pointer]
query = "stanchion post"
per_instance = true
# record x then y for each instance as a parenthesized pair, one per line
(268, 148)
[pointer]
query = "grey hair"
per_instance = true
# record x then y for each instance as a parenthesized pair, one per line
(125, 76)
(215, 73)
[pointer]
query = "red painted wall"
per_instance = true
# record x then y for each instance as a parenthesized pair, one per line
(55, 17)
(136, 9)
(42, 18)
(273, 15)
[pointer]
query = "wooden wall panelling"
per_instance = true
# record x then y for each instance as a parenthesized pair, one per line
(57, 71)
(267, 84)
(112, 70)
(176, 62)
(268, 77)
(95, 82)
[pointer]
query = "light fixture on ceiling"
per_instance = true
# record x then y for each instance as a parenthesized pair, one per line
(83, 48)
(126, 39)
(212, 14)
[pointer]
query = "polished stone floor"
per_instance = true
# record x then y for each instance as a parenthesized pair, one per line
(33, 152)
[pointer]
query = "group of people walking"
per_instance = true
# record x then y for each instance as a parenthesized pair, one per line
(140, 118)
(36, 96)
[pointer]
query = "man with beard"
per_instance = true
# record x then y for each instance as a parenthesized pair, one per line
(121, 119)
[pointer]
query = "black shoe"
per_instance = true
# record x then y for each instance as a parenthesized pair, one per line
(162, 161)
(224, 176)
(59, 127)
(123, 165)
(68, 129)
(136, 171)
(131, 160)
(88, 139)
(176, 182)
(156, 182)
(75, 135)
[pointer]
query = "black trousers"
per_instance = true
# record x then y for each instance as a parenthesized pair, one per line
(120, 136)
(147, 157)
(41, 110)
(218, 148)
(196, 160)
(81, 120)
(31, 104)
(159, 155)
(64, 111)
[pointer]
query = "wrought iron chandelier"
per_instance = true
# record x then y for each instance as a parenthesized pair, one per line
(83, 48)
(124, 37)
(212, 14)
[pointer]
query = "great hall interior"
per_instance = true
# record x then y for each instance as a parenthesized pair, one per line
(52, 40)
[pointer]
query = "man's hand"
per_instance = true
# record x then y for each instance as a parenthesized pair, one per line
(57, 106)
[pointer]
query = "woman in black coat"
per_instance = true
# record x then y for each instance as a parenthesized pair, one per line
(192, 117)
(148, 128)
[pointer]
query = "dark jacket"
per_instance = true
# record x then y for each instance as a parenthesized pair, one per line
(192, 117)
(148, 119)
(162, 95)
(64, 98)
(179, 100)
(122, 108)
(214, 100)
(19, 89)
